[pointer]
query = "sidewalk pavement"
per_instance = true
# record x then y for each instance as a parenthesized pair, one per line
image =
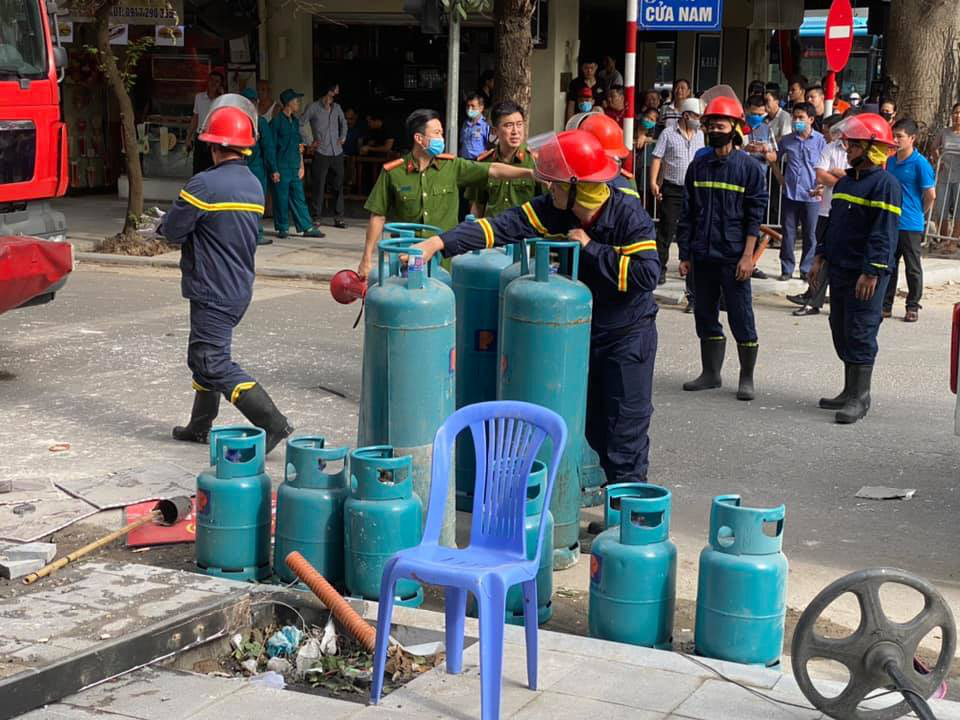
(579, 678)
(91, 218)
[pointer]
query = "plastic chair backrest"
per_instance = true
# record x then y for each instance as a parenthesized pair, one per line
(507, 436)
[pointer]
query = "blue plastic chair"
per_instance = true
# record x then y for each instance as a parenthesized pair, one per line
(507, 437)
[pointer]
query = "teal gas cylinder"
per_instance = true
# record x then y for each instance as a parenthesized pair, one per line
(612, 495)
(536, 489)
(476, 280)
(310, 508)
(409, 365)
(592, 477)
(544, 356)
(233, 506)
(742, 586)
(382, 515)
(633, 572)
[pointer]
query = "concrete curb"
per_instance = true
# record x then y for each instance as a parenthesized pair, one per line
(161, 262)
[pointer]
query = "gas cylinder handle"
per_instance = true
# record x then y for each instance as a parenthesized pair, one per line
(522, 254)
(230, 468)
(404, 246)
(652, 504)
(543, 257)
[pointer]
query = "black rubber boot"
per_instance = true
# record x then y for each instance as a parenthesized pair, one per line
(206, 407)
(711, 357)
(258, 408)
(835, 403)
(858, 401)
(748, 361)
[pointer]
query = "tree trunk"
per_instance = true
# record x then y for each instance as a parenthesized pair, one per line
(514, 48)
(128, 128)
(922, 58)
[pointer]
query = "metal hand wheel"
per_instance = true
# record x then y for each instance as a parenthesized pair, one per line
(879, 654)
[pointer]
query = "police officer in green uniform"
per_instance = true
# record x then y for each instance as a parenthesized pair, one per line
(424, 185)
(288, 196)
(499, 195)
(262, 159)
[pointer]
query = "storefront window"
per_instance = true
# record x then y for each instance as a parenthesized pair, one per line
(708, 61)
(665, 52)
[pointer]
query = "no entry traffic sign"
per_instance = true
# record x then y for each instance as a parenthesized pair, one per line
(838, 39)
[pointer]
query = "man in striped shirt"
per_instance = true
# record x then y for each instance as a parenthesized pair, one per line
(672, 155)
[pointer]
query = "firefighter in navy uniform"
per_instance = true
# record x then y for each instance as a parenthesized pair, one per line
(724, 202)
(858, 248)
(215, 220)
(620, 265)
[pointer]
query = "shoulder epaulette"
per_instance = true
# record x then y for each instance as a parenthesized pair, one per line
(628, 175)
(446, 156)
(487, 154)
(393, 164)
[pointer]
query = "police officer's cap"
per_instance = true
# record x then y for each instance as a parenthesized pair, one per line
(288, 95)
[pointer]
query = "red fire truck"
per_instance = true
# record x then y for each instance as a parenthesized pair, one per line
(35, 257)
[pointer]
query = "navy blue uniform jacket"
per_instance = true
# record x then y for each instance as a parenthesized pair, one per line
(620, 265)
(864, 217)
(215, 221)
(724, 200)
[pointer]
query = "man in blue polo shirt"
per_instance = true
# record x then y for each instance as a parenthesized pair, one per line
(918, 182)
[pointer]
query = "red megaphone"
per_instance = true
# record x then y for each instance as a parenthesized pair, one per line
(346, 286)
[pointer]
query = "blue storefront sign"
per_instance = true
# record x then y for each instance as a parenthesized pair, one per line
(680, 14)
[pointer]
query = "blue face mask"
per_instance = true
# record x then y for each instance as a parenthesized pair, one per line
(585, 107)
(473, 114)
(754, 120)
(648, 124)
(435, 147)
(799, 126)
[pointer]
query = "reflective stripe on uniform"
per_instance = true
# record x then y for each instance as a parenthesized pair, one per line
(487, 231)
(220, 206)
(533, 219)
(240, 388)
(879, 266)
(719, 186)
(629, 191)
(867, 203)
(622, 274)
(199, 388)
(636, 247)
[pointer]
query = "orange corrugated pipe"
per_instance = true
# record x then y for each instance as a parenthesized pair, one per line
(348, 617)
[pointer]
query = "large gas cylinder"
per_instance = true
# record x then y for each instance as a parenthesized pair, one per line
(476, 279)
(536, 490)
(310, 508)
(633, 572)
(543, 360)
(409, 366)
(382, 515)
(742, 586)
(233, 506)
(592, 477)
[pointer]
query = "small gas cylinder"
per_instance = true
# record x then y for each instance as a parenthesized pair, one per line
(381, 516)
(233, 506)
(633, 572)
(310, 508)
(742, 586)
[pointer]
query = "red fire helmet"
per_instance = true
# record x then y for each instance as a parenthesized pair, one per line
(230, 127)
(604, 128)
(866, 126)
(572, 156)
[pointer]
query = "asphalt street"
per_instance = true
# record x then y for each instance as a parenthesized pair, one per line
(103, 369)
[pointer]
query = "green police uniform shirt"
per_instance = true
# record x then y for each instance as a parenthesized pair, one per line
(287, 141)
(499, 195)
(404, 194)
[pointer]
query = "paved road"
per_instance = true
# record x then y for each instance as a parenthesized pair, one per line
(103, 369)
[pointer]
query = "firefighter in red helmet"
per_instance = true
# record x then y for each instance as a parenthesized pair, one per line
(620, 265)
(215, 221)
(858, 247)
(724, 202)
